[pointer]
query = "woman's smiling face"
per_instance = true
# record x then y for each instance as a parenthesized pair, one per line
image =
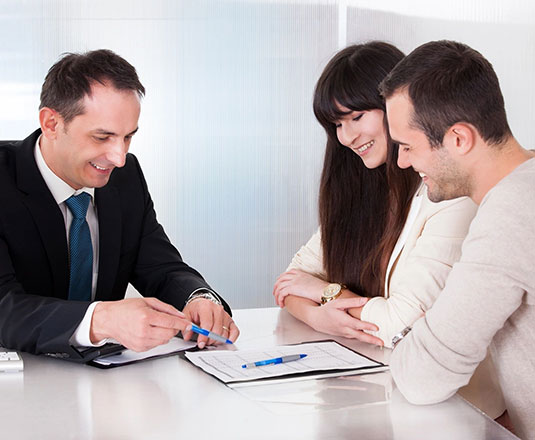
(364, 132)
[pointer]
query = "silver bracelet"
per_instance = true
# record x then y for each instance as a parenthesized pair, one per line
(205, 294)
(400, 336)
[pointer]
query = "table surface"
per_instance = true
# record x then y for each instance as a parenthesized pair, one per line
(171, 398)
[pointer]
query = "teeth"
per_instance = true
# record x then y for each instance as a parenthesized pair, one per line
(422, 175)
(97, 167)
(365, 147)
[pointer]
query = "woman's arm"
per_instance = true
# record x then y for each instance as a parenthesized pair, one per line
(421, 271)
(309, 258)
(305, 274)
(300, 288)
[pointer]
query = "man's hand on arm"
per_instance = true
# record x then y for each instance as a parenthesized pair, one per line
(333, 318)
(355, 312)
(137, 323)
(210, 316)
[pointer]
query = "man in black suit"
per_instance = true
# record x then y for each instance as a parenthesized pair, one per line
(63, 275)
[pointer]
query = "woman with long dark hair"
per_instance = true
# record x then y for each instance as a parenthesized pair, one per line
(383, 250)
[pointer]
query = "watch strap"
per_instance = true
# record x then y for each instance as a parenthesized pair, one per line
(397, 338)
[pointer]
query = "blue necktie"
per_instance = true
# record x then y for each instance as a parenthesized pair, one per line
(81, 250)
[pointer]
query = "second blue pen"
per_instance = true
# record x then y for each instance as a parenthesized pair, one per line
(279, 360)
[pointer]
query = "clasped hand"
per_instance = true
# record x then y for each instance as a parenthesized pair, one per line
(334, 318)
(144, 323)
(298, 283)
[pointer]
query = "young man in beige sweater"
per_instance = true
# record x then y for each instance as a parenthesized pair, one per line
(446, 111)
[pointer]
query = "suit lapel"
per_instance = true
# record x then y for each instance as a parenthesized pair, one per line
(46, 214)
(109, 225)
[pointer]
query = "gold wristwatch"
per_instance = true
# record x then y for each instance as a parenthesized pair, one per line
(332, 291)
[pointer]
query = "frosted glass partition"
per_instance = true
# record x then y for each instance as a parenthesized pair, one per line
(508, 45)
(228, 141)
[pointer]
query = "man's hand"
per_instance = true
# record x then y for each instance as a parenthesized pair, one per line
(210, 316)
(298, 283)
(137, 323)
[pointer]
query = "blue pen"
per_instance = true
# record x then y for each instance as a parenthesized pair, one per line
(279, 360)
(211, 335)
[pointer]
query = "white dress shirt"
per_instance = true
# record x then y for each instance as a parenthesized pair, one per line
(61, 191)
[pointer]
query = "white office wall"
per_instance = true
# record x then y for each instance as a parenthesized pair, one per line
(228, 141)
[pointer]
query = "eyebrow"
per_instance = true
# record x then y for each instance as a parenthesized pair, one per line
(111, 133)
(398, 142)
(341, 115)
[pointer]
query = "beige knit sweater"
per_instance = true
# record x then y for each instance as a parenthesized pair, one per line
(488, 300)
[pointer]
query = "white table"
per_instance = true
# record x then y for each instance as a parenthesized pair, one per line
(170, 398)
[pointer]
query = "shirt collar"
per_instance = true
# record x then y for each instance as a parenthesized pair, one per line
(60, 190)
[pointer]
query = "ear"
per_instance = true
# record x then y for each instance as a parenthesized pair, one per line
(50, 122)
(460, 138)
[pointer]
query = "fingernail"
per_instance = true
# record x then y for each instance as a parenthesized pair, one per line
(201, 345)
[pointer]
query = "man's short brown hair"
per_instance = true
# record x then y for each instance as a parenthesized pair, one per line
(449, 82)
(70, 79)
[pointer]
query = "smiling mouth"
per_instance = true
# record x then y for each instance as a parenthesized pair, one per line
(365, 147)
(94, 165)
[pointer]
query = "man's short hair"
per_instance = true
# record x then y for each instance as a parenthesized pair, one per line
(70, 80)
(449, 82)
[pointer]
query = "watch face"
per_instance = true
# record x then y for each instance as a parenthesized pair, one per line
(332, 290)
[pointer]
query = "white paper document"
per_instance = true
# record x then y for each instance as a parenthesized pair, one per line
(173, 346)
(329, 358)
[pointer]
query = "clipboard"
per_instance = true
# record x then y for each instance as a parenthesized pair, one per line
(117, 356)
(225, 365)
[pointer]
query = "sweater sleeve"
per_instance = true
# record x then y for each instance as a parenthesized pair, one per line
(484, 289)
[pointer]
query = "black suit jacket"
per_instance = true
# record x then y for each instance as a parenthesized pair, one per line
(35, 315)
